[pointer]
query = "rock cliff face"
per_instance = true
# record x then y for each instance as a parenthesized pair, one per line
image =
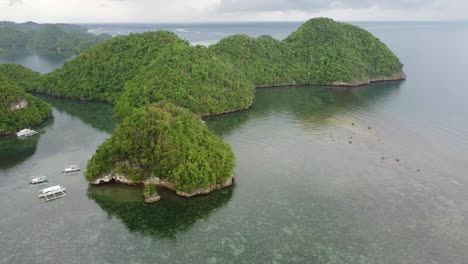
(162, 183)
(399, 76)
(19, 110)
(18, 105)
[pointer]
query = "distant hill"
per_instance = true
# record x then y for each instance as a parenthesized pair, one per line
(61, 37)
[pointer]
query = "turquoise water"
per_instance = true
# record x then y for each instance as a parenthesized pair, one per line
(373, 174)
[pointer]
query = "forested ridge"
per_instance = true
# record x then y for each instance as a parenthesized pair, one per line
(189, 77)
(18, 109)
(61, 37)
(25, 78)
(321, 51)
(100, 73)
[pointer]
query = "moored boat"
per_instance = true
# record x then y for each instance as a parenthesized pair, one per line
(52, 193)
(71, 169)
(25, 133)
(39, 180)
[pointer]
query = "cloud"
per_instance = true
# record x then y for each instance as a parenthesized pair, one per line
(76, 11)
(13, 2)
(250, 6)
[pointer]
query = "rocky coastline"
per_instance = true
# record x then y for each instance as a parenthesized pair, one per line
(399, 76)
(161, 183)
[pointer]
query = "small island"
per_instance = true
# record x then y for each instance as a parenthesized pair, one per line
(18, 109)
(167, 146)
(59, 37)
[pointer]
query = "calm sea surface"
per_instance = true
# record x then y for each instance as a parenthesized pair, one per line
(310, 187)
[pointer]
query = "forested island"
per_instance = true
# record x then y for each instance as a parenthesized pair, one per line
(59, 37)
(18, 109)
(321, 51)
(164, 145)
(160, 86)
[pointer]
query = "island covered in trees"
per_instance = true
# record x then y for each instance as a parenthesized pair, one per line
(19, 109)
(164, 145)
(160, 86)
(59, 37)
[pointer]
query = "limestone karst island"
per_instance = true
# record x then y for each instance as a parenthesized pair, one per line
(161, 86)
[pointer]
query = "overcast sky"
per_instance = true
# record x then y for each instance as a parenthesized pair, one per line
(78, 11)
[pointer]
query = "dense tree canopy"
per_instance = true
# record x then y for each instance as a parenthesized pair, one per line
(189, 77)
(321, 51)
(100, 73)
(264, 60)
(165, 141)
(135, 70)
(63, 37)
(21, 76)
(31, 112)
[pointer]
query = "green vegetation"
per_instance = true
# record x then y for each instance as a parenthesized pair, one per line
(152, 67)
(167, 142)
(189, 77)
(18, 109)
(264, 60)
(23, 77)
(133, 71)
(100, 73)
(321, 51)
(60, 37)
(150, 190)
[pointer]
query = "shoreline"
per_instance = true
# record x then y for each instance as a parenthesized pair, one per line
(399, 76)
(121, 179)
(9, 134)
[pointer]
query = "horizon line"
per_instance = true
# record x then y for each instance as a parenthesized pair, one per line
(244, 21)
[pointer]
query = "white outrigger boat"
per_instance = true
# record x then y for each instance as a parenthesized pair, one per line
(71, 169)
(25, 133)
(52, 193)
(39, 180)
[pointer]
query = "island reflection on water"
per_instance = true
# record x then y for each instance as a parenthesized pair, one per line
(164, 219)
(14, 151)
(98, 115)
(312, 106)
